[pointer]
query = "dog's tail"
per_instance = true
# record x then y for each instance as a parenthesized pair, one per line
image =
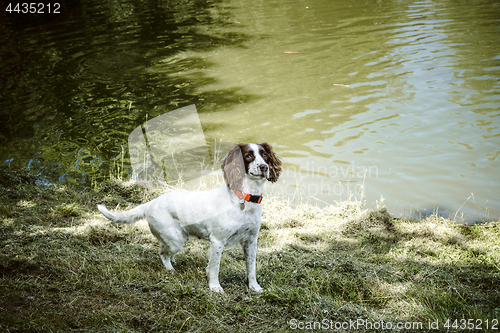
(128, 217)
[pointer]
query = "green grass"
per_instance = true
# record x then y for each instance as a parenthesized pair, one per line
(64, 267)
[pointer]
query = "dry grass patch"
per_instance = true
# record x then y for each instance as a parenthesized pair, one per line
(63, 267)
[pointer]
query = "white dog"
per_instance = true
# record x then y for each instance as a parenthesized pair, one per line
(227, 215)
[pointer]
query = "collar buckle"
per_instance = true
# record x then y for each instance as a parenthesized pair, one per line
(248, 197)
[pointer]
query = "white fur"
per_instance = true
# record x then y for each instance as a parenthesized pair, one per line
(211, 215)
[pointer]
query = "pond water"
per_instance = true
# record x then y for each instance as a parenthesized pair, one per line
(399, 99)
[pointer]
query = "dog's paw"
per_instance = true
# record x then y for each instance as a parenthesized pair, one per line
(256, 288)
(217, 289)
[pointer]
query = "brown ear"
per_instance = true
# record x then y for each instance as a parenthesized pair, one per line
(273, 161)
(233, 168)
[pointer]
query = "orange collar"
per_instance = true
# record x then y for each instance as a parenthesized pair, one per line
(248, 197)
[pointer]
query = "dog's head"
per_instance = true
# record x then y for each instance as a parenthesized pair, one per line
(257, 161)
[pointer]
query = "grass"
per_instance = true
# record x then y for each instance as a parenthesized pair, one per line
(63, 267)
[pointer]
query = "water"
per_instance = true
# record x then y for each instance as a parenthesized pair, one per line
(392, 98)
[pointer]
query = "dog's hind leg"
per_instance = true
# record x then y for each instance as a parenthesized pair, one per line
(166, 259)
(168, 250)
(167, 255)
(171, 240)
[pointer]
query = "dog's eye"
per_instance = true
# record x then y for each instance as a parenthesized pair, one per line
(248, 157)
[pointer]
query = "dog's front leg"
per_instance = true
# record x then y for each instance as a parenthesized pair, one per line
(250, 250)
(216, 248)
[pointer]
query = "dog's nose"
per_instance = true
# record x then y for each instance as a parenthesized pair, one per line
(263, 168)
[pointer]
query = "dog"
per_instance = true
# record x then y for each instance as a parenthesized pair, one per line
(223, 216)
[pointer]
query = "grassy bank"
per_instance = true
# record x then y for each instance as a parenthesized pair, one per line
(63, 267)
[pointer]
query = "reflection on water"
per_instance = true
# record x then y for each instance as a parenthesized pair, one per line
(74, 88)
(401, 97)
